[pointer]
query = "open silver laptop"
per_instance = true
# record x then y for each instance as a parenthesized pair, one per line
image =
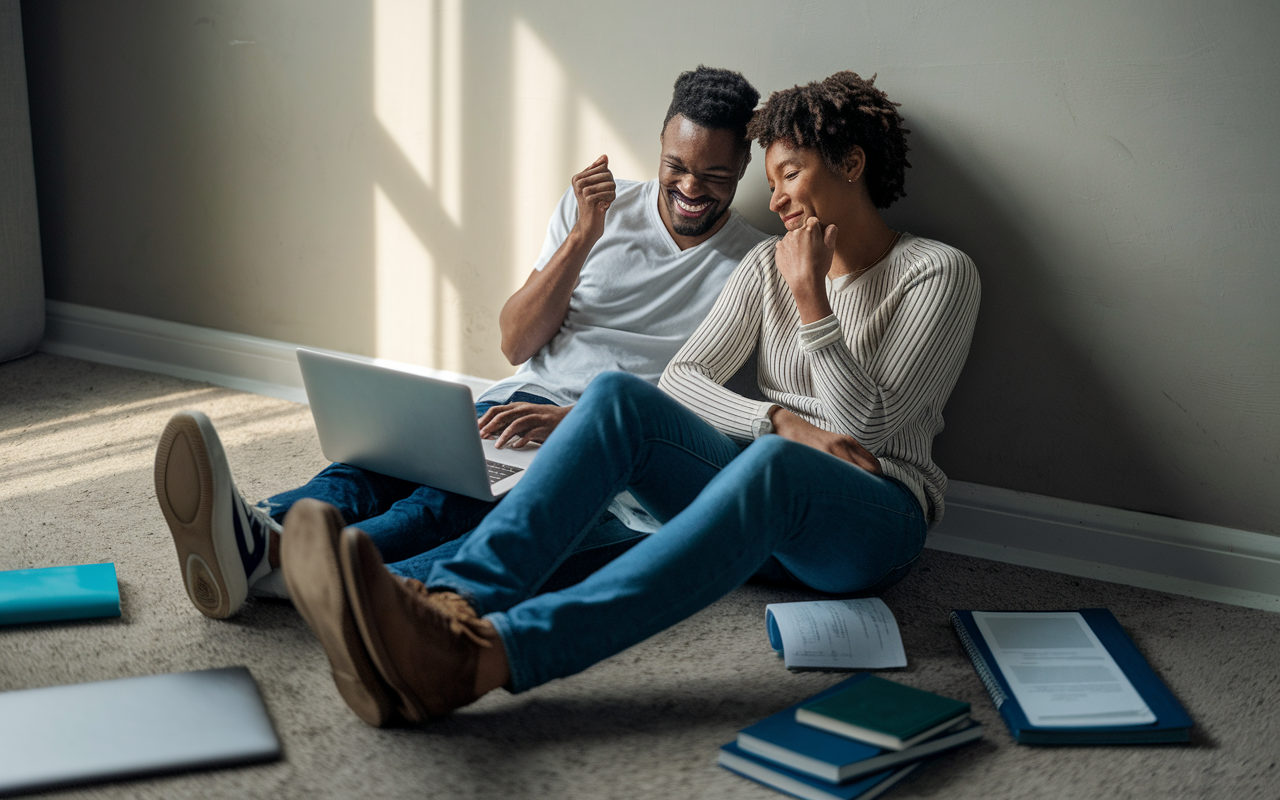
(406, 425)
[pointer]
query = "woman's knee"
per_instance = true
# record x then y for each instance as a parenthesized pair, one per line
(611, 385)
(773, 457)
(621, 391)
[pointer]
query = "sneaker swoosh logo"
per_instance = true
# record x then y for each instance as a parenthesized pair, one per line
(251, 557)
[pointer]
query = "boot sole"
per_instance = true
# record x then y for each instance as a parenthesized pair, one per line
(194, 503)
(308, 556)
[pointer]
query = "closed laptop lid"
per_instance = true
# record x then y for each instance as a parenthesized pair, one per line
(132, 727)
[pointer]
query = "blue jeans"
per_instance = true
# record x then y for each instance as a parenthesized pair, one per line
(727, 510)
(415, 525)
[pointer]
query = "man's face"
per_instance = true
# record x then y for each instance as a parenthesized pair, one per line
(699, 173)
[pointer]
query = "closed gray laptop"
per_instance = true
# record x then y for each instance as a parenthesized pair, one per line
(406, 425)
(132, 727)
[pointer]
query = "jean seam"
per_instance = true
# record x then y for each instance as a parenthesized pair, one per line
(568, 551)
(682, 448)
(912, 515)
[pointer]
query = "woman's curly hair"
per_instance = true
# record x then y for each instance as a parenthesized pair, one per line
(835, 115)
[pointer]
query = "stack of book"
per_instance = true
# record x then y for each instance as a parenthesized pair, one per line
(855, 740)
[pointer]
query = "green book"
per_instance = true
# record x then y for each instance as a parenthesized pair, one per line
(883, 713)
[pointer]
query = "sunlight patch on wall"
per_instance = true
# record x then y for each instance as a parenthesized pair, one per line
(417, 77)
(540, 177)
(557, 133)
(404, 78)
(596, 136)
(450, 152)
(418, 310)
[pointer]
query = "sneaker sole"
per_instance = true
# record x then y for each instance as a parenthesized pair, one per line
(194, 501)
(309, 557)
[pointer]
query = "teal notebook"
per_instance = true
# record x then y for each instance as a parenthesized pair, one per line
(883, 713)
(58, 593)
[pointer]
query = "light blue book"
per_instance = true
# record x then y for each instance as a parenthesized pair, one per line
(57, 593)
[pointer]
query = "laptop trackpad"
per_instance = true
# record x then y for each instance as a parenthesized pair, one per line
(517, 458)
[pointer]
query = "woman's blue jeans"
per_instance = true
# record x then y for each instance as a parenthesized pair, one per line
(727, 510)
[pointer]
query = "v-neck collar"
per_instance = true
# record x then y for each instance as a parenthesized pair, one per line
(655, 194)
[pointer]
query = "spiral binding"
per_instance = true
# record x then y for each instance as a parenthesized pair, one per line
(979, 663)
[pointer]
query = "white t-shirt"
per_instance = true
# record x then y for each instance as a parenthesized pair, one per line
(638, 298)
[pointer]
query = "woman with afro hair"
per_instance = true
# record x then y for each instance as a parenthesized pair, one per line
(859, 332)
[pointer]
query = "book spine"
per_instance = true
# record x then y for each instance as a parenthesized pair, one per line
(979, 663)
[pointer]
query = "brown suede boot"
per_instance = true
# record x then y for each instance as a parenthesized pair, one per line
(309, 558)
(425, 645)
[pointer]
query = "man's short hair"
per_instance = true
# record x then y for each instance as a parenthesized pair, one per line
(715, 98)
(835, 115)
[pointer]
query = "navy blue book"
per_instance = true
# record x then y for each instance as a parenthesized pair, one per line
(834, 758)
(58, 593)
(797, 784)
(1172, 724)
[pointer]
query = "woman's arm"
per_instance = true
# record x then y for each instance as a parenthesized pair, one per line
(923, 346)
(718, 348)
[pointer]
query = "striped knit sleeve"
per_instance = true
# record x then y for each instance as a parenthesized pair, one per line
(919, 357)
(718, 348)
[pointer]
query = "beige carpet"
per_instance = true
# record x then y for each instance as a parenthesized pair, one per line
(76, 446)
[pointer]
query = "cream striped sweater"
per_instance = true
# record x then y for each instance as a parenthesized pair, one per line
(879, 369)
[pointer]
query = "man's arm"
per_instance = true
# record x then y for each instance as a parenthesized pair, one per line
(533, 315)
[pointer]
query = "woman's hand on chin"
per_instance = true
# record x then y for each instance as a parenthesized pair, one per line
(804, 258)
(790, 426)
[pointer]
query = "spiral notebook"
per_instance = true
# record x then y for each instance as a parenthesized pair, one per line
(1029, 644)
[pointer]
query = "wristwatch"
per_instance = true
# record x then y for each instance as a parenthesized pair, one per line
(762, 425)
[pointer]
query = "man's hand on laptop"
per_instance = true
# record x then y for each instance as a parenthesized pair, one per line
(519, 424)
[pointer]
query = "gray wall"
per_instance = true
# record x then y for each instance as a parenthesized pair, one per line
(21, 278)
(373, 177)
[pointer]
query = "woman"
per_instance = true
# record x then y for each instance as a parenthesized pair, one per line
(861, 334)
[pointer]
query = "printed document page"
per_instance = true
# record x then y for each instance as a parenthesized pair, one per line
(1060, 673)
(837, 634)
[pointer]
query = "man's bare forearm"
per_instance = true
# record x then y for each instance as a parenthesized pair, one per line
(533, 315)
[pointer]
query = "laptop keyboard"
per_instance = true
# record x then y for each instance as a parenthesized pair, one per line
(499, 471)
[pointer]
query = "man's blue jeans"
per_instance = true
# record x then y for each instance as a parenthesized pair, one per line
(727, 510)
(417, 525)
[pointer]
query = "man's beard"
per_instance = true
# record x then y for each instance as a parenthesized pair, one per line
(694, 227)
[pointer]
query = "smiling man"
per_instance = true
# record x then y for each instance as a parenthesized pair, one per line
(629, 269)
(627, 272)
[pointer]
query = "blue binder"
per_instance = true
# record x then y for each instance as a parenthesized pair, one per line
(59, 593)
(1172, 724)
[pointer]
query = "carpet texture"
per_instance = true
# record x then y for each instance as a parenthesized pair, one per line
(76, 446)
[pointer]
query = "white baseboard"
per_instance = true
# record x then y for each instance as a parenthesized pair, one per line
(1145, 550)
(248, 363)
(1210, 562)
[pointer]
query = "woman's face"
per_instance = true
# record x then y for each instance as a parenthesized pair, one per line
(802, 186)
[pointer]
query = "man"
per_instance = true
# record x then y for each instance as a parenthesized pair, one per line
(626, 274)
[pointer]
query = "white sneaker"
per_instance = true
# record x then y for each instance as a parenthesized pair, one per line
(222, 541)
